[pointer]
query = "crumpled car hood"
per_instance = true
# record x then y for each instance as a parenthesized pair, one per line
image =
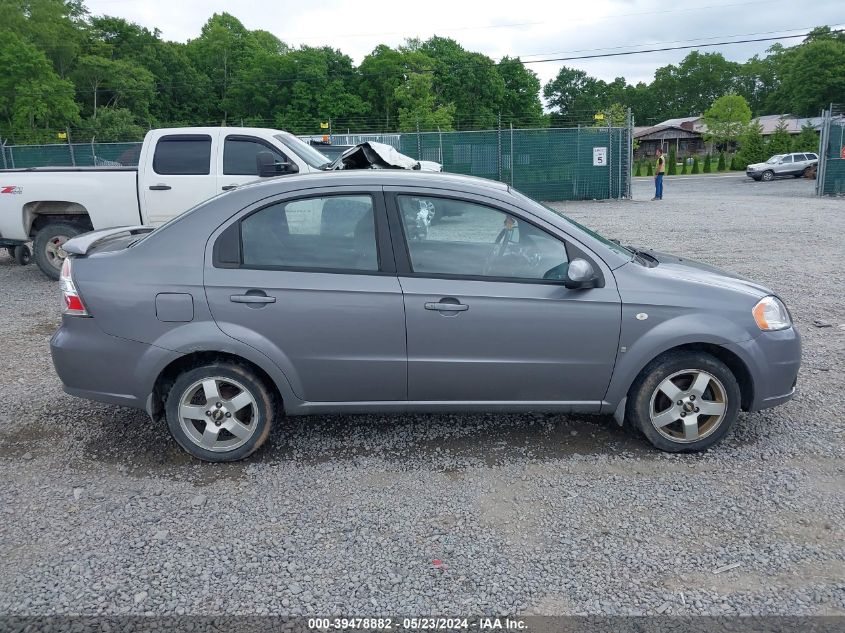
(372, 155)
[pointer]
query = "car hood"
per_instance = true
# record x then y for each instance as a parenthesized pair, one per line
(758, 166)
(698, 272)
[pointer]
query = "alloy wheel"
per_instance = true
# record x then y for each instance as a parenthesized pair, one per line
(688, 406)
(218, 414)
(53, 250)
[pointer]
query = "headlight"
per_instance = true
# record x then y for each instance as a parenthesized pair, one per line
(771, 314)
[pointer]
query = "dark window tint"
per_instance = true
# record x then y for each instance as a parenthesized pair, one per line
(454, 237)
(239, 156)
(183, 155)
(787, 159)
(332, 233)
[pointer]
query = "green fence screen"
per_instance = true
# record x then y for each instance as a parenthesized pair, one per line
(832, 174)
(545, 164)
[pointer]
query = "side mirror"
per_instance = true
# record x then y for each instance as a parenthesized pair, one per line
(580, 274)
(268, 167)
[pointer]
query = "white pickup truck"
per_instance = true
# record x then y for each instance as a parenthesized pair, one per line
(177, 169)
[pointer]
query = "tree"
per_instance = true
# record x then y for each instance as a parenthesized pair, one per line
(727, 119)
(521, 99)
(469, 81)
(418, 107)
(615, 115)
(812, 77)
(574, 96)
(807, 140)
(752, 146)
(720, 166)
(672, 167)
(780, 142)
(707, 164)
(694, 84)
(33, 99)
(695, 167)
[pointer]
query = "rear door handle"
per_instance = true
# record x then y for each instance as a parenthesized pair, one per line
(252, 298)
(159, 187)
(446, 307)
(228, 187)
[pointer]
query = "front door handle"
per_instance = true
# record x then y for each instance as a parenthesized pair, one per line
(160, 187)
(228, 187)
(446, 307)
(252, 298)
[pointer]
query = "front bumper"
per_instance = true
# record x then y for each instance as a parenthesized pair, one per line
(97, 366)
(773, 359)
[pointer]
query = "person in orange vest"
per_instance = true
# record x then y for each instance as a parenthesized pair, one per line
(658, 175)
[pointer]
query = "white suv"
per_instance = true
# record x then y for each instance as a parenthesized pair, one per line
(782, 165)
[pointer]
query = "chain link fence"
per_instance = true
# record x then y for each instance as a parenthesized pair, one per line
(546, 164)
(70, 155)
(830, 175)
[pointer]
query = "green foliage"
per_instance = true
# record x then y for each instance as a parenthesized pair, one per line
(706, 168)
(650, 170)
(638, 169)
(62, 66)
(34, 101)
(752, 146)
(721, 164)
(807, 140)
(727, 119)
(111, 124)
(737, 162)
(780, 141)
(418, 107)
(695, 165)
(672, 166)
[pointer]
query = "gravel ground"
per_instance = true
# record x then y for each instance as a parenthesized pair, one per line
(100, 512)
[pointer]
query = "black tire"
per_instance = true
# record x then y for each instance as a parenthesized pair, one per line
(44, 246)
(768, 175)
(262, 415)
(22, 254)
(639, 405)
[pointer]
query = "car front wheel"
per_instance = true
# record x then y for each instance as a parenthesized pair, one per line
(768, 175)
(219, 412)
(684, 402)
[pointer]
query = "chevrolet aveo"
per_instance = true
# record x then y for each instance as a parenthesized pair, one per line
(393, 291)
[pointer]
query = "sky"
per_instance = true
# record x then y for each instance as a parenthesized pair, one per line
(530, 29)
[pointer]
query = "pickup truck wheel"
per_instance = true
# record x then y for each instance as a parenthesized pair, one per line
(22, 254)
(220, 412)
(768, 175)
(47, 245)
(684, 402)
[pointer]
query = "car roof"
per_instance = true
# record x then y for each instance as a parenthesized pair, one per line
(386, 177)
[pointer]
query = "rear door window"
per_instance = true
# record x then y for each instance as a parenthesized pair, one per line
(333, 233)
(183, 154)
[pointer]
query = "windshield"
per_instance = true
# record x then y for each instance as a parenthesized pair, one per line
(306, 152)
(775, 159)
(617, 248)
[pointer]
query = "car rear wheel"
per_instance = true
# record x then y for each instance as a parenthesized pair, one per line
(768, 175)
(48, 244)
(219, 412)
(684, 402)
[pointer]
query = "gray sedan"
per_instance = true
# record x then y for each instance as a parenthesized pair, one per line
(320, 294)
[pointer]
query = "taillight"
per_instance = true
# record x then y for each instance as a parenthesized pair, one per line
(72, 301)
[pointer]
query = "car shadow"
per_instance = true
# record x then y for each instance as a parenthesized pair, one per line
(438, 442)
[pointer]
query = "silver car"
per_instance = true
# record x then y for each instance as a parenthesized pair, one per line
(796, 164)
(319, 294)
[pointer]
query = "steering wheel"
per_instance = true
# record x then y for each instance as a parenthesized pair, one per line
(514, 256)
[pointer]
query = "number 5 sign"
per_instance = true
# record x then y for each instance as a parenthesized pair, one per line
(599, 156)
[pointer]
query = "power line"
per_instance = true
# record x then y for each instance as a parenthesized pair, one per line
(664, 49)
